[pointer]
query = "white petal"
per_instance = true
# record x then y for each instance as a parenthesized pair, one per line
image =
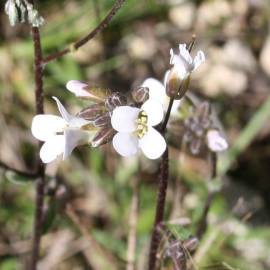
(156, 89)
(62, 110)
(215, 141)
(126, 144)
(124, 118)
(52, 148)
(75, 137)
(45, 126)
(199, 59)
(72, 121)
(180, 67)
(184, 53)
(78, 122)
(154, 111)
(152, 144)
(77, 88)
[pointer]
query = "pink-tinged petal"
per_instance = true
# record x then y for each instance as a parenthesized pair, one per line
(124, 118)
(78, 88)
(66, 116)
(199, 59)
(156, 89)
(125, 144)
(154, 111)
(45, 126)
(75, 137)
(215, 141)
(152, 144)
(52, 148)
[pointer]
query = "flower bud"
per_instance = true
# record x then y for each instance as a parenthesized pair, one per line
(12, 11)
(92, 112)
(103, 136)
(103, 120)
(20, 11)
(176, 87)
(83, 90)
(140, 95)
(115, 100)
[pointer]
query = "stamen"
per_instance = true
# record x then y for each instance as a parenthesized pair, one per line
(142, 127)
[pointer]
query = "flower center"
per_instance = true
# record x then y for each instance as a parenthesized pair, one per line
(141, 121)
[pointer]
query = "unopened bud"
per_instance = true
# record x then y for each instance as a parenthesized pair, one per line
(103, 136)
(103, 120)
(140, 95)
(176, 87)
(191, 244)
(92, 112)
(115, 100)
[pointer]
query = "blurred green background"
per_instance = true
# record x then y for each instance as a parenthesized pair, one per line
(88, 197)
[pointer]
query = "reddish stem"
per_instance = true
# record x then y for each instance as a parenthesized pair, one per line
(76, 45)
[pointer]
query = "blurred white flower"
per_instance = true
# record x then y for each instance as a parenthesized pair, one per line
(157, 92)
(60, 134)
(135, 130)
(183, 64)
(215, 141)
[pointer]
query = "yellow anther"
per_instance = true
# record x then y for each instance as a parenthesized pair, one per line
(142, 127)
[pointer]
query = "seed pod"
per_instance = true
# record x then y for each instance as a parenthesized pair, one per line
(115, 100)
(103, 120)
(103, 136)
(92, 112)
(140, 95)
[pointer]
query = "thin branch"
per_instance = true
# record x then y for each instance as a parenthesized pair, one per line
(40, 185)
(211, 194)
(76, 45)
(29, 175)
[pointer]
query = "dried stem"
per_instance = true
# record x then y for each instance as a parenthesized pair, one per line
(39, 201)
(94, 245)
(29, 175)
(76, 45)
(133, 220)
(203, 221)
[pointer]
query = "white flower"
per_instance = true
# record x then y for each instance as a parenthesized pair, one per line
(183, 63)
(135, 130)
(60, 134)
(215, 141)
(157, 91)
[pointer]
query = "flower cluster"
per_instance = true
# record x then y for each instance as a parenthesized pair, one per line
(20, 11)
(130, 122)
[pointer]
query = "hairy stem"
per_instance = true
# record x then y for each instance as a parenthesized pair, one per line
(39, 201)
(202, 225)
(76, 45)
